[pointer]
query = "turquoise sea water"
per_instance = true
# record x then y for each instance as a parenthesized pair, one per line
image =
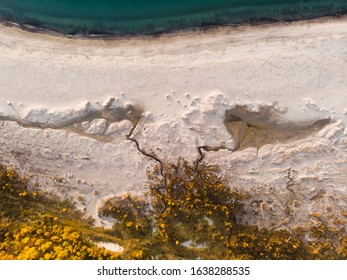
(120, 17)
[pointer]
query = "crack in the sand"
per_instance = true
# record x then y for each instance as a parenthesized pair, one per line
(143, 152)
(207, 148)
(290, 181)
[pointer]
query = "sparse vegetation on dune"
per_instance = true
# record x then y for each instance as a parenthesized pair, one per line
(189, 216)
(184, 219)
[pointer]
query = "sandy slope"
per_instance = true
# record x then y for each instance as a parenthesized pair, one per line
(58, 121)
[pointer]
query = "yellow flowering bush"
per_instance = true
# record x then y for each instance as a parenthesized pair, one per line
(47, 241)
(30, 228)
(253, 243)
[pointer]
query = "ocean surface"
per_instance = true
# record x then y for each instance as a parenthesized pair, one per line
(122, 17)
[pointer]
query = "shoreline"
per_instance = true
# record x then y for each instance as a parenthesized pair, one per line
(186, 32)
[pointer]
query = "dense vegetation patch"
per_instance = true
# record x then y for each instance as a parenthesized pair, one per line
(194, 216)
(187, 216)
(35, 226)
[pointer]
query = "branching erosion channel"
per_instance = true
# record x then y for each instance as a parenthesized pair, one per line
(164, 185)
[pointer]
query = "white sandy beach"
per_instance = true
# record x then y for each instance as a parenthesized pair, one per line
(285, 77)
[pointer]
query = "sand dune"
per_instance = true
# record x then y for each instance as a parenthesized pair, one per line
(67, 107)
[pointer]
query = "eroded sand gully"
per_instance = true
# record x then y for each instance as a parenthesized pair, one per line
(257, 129)
(267, 104)
(89, 121)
